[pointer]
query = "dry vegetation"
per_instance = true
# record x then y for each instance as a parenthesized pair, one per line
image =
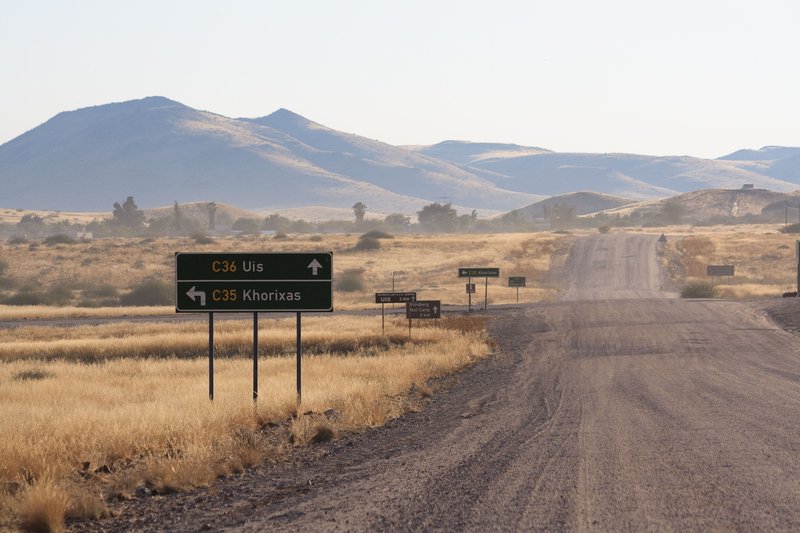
(97, 412)
(75, 434)
(763, 257)
(423, 263)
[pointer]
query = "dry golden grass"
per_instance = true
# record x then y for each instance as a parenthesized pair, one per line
(426, 264)
(763, 258)
(118, 424)
(93, 411)
(97, 343)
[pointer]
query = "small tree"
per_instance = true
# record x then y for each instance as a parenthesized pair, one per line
(438, 217)
(359, 210)
(128, 214)
(212, 215)
(397, 222)
(177, 216)
(31, 224)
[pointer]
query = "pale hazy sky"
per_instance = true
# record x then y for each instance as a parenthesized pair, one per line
(696, 77)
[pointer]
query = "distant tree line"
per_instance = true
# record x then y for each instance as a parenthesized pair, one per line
(127, 219)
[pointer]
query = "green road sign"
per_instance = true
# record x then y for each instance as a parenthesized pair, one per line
(424, 309)
(395, 297)
(475, 272)
(516, 281)
(237, 282)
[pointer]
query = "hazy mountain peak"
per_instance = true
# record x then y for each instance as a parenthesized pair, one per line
(287, 121)
(765, 153)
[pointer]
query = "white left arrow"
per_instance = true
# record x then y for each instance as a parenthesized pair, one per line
(314, 266)
(191, 293)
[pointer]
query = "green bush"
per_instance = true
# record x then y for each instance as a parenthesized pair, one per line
(59, 238)
(605, 228)
(104, 290)
(30, 295)
(351, 280)
(200, 238)
(18, 239)
(3, 267)
(698, 289)
(367, 244)
(377, 234)
(150, 292)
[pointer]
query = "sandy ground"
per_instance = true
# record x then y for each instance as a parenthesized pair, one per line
(618, 408)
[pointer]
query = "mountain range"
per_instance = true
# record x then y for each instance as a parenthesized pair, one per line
(160, 151)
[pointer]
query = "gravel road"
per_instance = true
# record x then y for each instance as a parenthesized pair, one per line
(619, 408)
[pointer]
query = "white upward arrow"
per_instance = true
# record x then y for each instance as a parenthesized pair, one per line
(435, 309)
(314, 266)
(191, 293)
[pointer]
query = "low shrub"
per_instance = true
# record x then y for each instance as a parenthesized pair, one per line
(367, 244)
(29, 295)
(698, 289)
(351, 280)
(377, 234)
(150, 292)
(18, 239)
(200, 238)
(59, 238)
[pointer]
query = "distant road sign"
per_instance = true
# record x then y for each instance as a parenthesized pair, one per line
(475, 272)
(516, 281)
(237, 282)
(395, 297)
(470, 288)
(424, 309)
(719, 270)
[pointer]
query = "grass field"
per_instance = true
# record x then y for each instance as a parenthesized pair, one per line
(426, 264)
(94, 412)
(764, 258)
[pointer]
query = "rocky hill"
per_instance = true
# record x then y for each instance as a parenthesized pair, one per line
(161, 151)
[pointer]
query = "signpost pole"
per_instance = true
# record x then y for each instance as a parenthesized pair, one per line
(383, 320)
(798, 269)
(409, 328)
(299, 360)
(486, 293)
(211, 356)
(469, 293)
(517, 293)
(255, 357)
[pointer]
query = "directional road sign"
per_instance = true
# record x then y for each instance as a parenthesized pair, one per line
(516, 281)
(475, 272)
(236, 282)
(424, 309)
(719, 270)
(395, 297)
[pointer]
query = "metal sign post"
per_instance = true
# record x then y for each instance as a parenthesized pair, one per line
(469, 294)
(480, 272)
(516, 281)
(424, 309)
(392, 298)
(798, 269)
(299, 359)
(255, 357)
(211, 356)
(253, 282)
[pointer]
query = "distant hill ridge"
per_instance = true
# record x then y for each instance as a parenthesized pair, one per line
(161, 151)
